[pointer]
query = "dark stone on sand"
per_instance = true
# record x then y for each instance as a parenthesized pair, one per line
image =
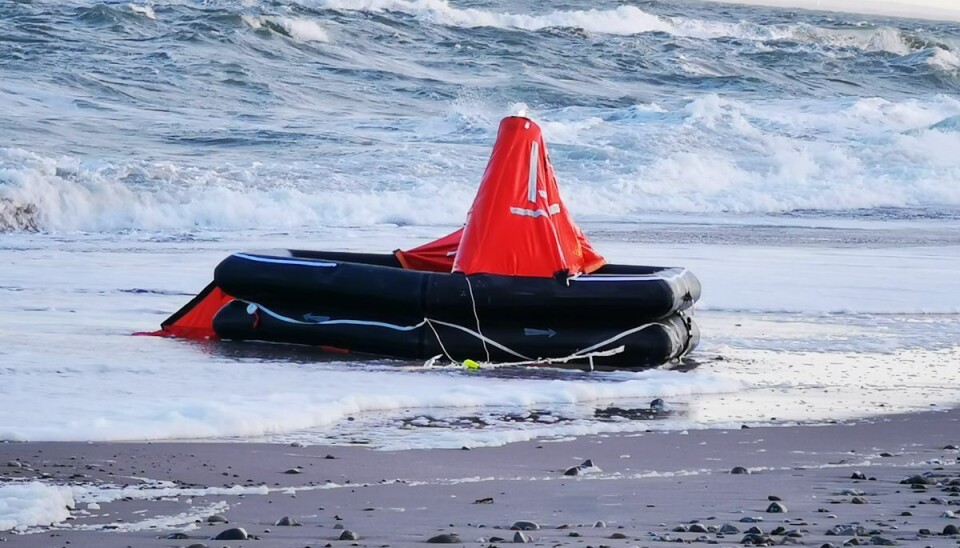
(618, 536)
(197, 545)
(520, 537)
(217, 518)
(587, 463)
(951, 447)
(348, 535)
(881, 541)
(573, 471)
(330, 457)
(338, 526)
(15, 464)
(774, 498)
(859, 500)
(727, 529)
(236, 533)
(293, 471)
(827, 545)
(778, 531)
(750, 519)
(924, 532)
(485, 500)
(776, 508)
(906, 514)
(523, 525)
(445, 538)
(754, 531)
(918, 480)
(858, 476)
(573, 534)
(739, 470)
(176, 536)
(680, 529)
(599, 524)
(287, 521)
(951, 530)
(885, 454)
(697, 528)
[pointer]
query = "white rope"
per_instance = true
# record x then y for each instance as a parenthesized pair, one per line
(473, 303)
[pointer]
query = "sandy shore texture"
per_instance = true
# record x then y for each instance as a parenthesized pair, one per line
(644, 490)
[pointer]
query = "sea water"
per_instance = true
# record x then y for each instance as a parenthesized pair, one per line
(805, 165)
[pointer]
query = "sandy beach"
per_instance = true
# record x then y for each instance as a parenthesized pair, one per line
(643, 490)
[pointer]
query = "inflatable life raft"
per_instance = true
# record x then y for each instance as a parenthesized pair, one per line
(519, 283)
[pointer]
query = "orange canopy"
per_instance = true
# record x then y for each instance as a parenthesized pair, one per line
(518, 225)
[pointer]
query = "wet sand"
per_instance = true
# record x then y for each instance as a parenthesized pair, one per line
(642, 489)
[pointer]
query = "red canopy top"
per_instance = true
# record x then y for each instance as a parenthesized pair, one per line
(518, 225)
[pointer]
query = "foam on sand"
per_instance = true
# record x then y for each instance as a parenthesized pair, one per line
(32, 504)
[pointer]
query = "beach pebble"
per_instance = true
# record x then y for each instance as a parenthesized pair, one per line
(618, 536)
(348, 535)
(754, 531)
(237, 533)
(906, 513)
(739, 470)
(680, 529)
(15, 464)
(445, 538)
(881, 541)
(846, 530)
(776, 508)
(520, 537)
(197, 545)
(217, 518)
(293, 471)
(951, 530)
(852, 542)
(599, 524)
(951, 447)
(858, 476)
(774, 498)
(525, 526)
(287, 521)
(751, 519)
(176, 536)
(727, 529)
(573, 534)
(697, 528)
(338, 526)
(827, 545)
(948, 514)
(859, 500)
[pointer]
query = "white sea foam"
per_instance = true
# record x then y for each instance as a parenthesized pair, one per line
(914, 9)
(30, 504)
(630, 20)
(146, 11)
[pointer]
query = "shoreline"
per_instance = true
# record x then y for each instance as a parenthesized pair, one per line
(642, 487)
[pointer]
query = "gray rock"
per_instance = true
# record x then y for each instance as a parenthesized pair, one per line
(338, 526)
(573, 471)
(827, 545)
(906, 513)
(445, 538)
(521, 538)
(739, 470)
(776, 508)
(948, 514)
(881, 541)
(197, 545)
(236, 533)
(287, 521)
(348, 535)
(698, 528)
(858, 476)
(176, 536)
(293, 471)
(859, 500)
(599, 524)
(951, 447)
(846, 530)
(757, 540)
(217, 518)
(727, 529)
(525, 526)
(951, 530)
(617, 536)
(754, 531)
(751, 519)
(680, 529)
(774, 498)
(15, 464)
(852, 542)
